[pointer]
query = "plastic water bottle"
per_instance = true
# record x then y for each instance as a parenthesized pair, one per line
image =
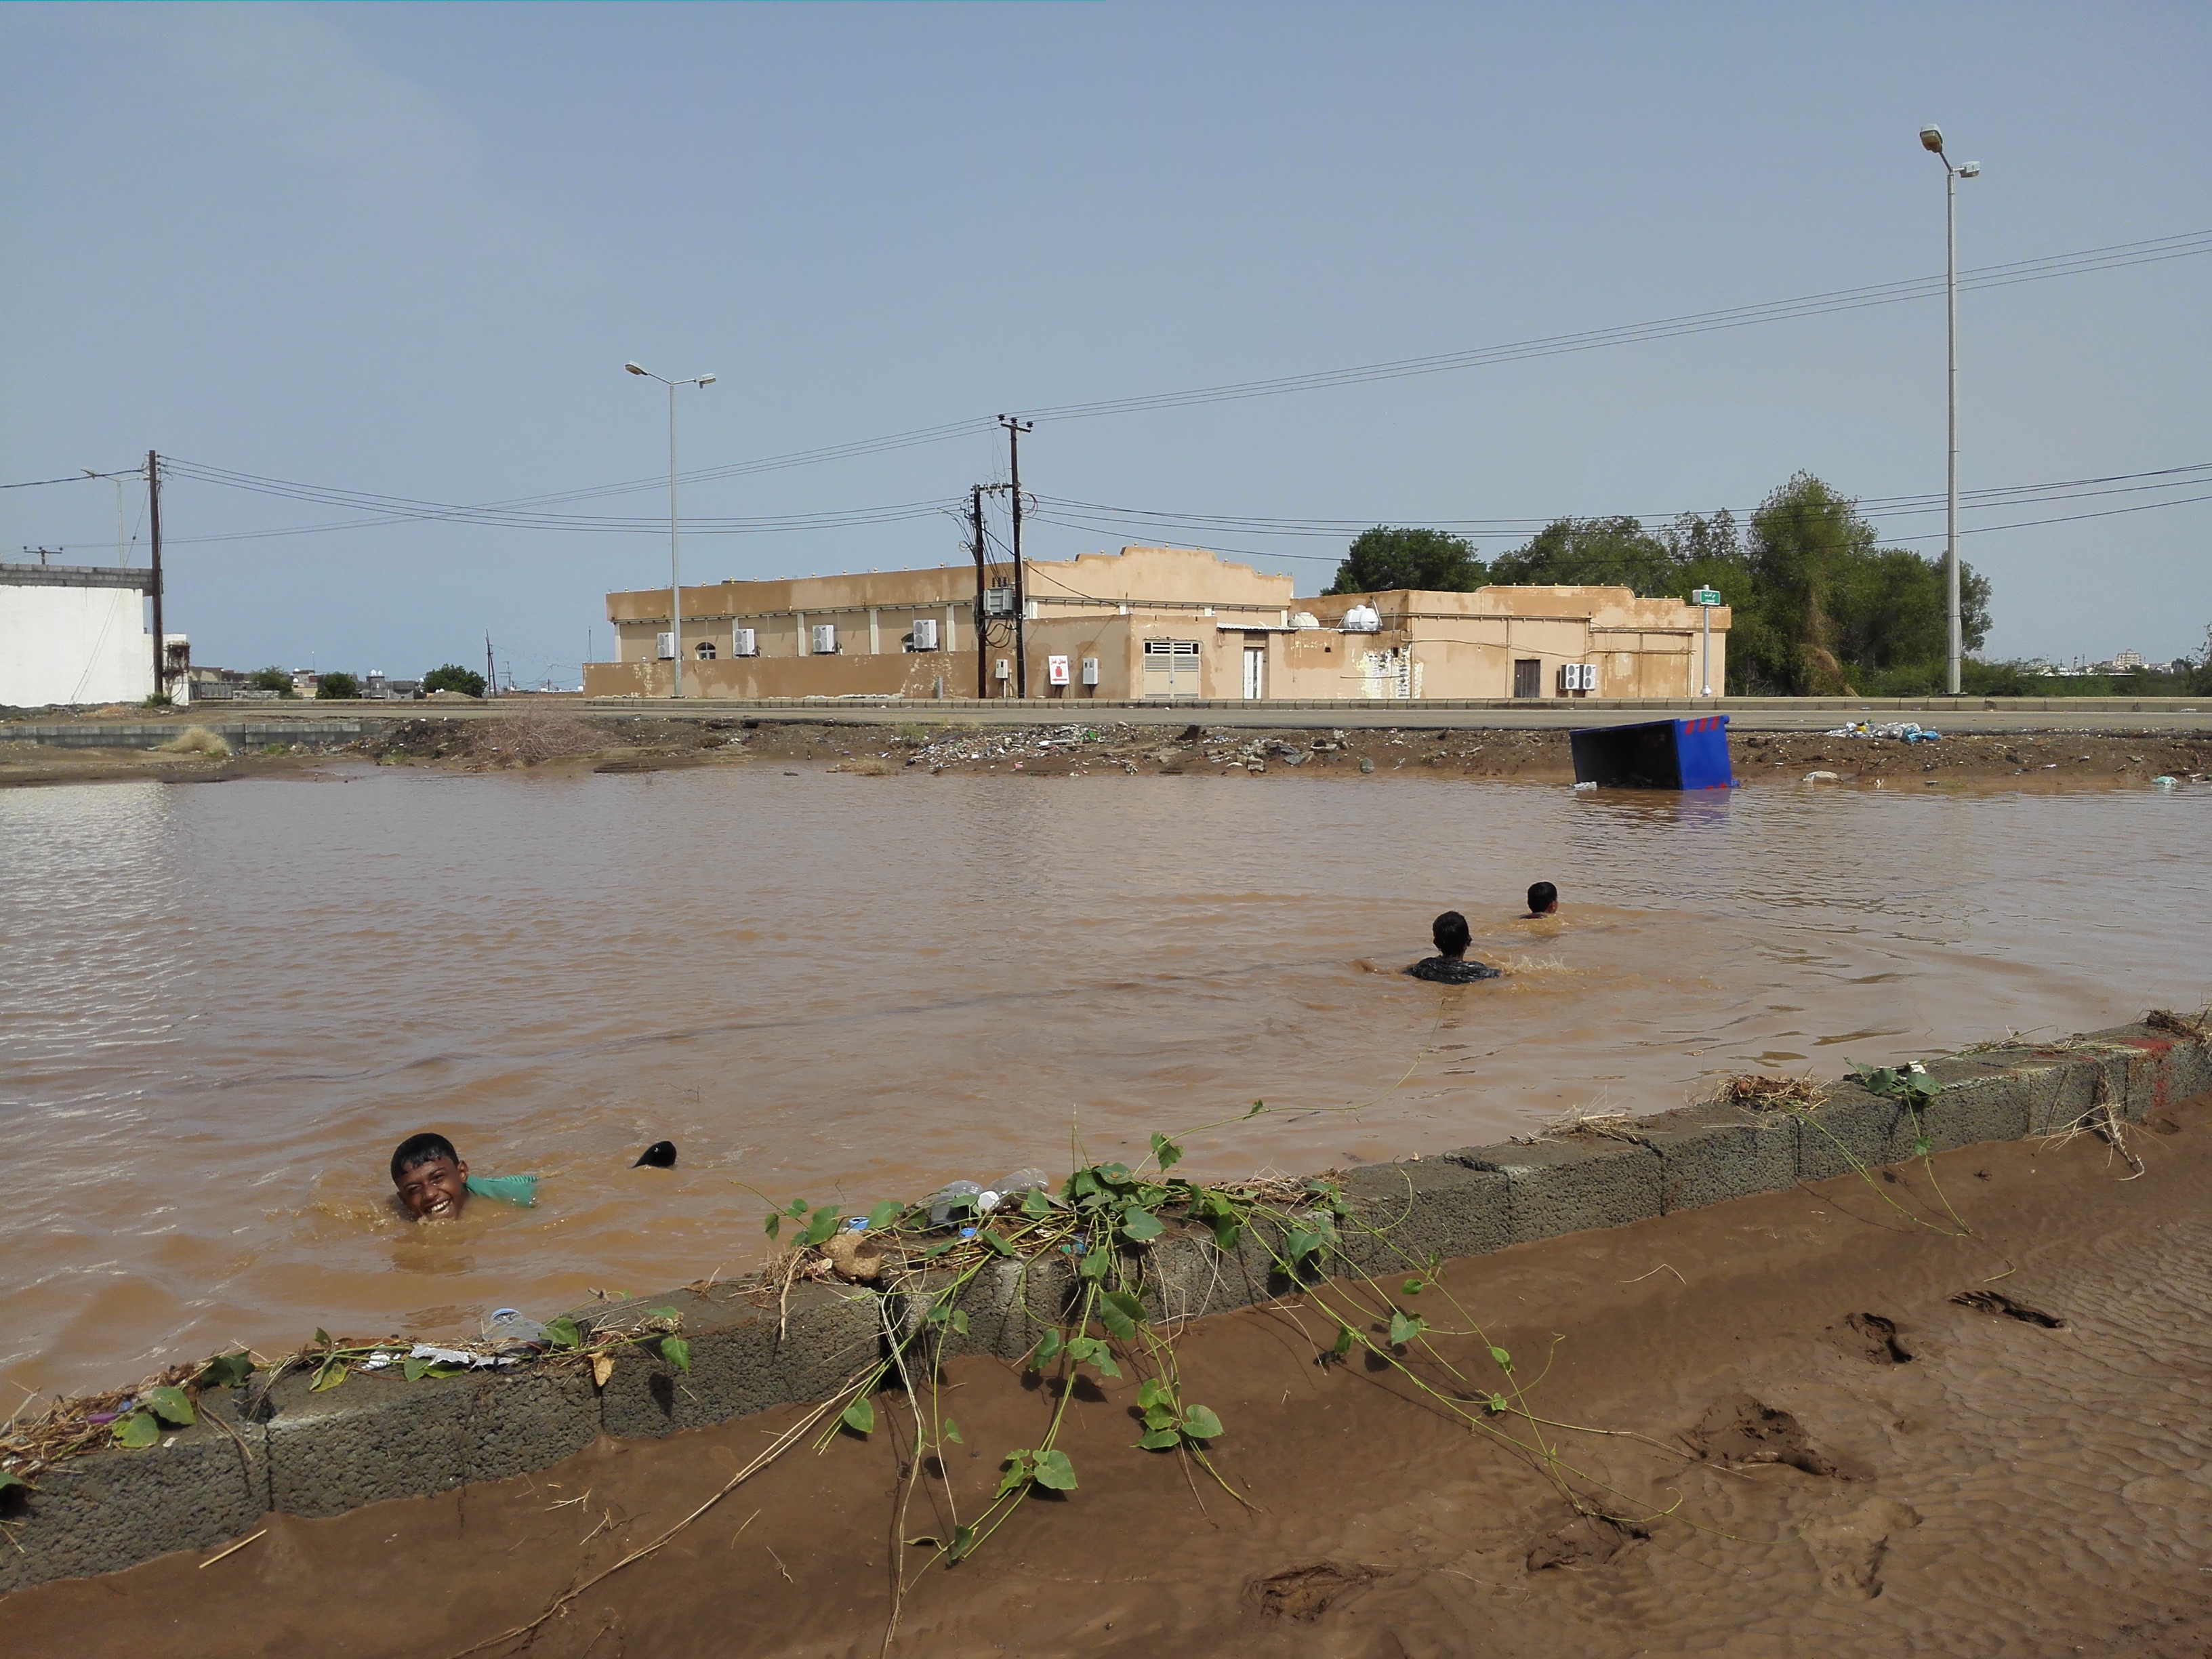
(942, 1201)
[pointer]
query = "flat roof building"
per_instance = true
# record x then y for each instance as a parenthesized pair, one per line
(77, 634)
(1149, 624)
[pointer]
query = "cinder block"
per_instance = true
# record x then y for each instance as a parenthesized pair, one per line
(1851, 1130)
(2069, 1082)
(107, 1510)
(1010, 1304)
(1403, 1214)
(378, 1435)
(1564, 1186)
(744, 1356)
(1985, 1097)
(1713, 1152)
(1186, 1276)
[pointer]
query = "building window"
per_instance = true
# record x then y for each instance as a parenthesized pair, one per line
(705, 650)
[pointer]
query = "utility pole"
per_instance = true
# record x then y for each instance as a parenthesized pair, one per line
(983, 644)
(1014, 430)
(1931, 140)
(154, 530)
(491, 674)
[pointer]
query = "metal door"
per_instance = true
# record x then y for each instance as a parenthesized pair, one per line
(1256, 671)
(1529, 677)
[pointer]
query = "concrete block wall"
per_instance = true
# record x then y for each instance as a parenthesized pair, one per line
(377, 1436)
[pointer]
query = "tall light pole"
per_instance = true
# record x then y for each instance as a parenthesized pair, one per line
(675, 565)
(1931, 140)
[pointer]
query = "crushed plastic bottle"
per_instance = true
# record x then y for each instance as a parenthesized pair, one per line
(509, 1325)
(942, 1201)
(1024, 1181)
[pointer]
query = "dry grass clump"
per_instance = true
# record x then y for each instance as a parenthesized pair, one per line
(2197, 1027)
(532, 738)
(1758, 1092)
(1586, 1121)
(867, 766)
(198, 741)
(33, 1441)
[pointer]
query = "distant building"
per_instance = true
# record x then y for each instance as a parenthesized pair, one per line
(77, 633)
(1151, 624)
(2123, 661)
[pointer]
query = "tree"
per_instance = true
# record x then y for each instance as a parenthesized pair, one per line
(452, 676)
(1385, 557)
(339, 685)
(1616, 552)
(278, 680)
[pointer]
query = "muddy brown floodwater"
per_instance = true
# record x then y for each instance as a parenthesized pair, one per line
(220, 1008)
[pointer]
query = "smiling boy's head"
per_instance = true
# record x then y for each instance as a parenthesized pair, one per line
(432, 1180)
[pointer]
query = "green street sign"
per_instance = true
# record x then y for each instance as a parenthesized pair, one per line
(1706, 596)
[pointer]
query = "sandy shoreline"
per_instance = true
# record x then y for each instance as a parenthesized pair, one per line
(2024, 1476)
(561, 742)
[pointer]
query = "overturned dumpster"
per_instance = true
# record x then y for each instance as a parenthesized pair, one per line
(1671, 754)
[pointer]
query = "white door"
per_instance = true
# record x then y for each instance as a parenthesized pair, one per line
(1256, 671)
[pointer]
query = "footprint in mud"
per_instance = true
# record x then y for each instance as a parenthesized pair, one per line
(1305, 1593)
(1848, 1548)
(1584, 1540)
(1997, 1301)
(1874, 1340)
(1747, 1431)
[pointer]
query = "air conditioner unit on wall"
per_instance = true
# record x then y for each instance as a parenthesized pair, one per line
(925, 633)
(665, 645)
(1577, 676)
(745, 642)
(825, 639)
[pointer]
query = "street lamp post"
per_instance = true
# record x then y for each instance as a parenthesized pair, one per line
(1931, 140)
(675, 565)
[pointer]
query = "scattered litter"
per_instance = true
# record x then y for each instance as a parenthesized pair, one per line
(1901, 731)
(1586, 786)
(2165, 781)
(385, 1358)
(943, 1201)
(509, 1325)
(1822, 777)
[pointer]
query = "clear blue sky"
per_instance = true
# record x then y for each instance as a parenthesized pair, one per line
(405, 249)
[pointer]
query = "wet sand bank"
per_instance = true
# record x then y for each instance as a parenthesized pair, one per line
(1824, 1451)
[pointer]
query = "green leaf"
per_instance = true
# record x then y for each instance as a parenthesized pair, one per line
(1165, 1153)
(1160, 1440)
(1083, 1184)
(1343, 1344)
(413, 1370)
(1415, 1286)
(1035, 1205)
(1094, 1263)
(676, 1352)
(798, 1209)
(1046, 1350)
(1016, 1477)
(1141, 1225)
(1199, 1423)
(322, 1336)
(328, 1375)
(1505, 1359)
(1121, 1313)
(819, 1229)
(446, 1368)
(1258, 1107)
(1154, 1392)
(1496, 1402)
(1405, 1327)
(860, 1417)
(1113, 1174)
(227, 1370)
(138, 1430)
(884, 1213)
(168, 1403)
(1227, 1230)
(1161, 1417)
(774, 1223)
(1055, 1469)
(9, 1478)
(563, 1333)
(998, 1243)
(964, 1540)
(1302, 1244)
(951, 1430)
(1920, 1146)
(960, 1321)
(1104, 1365)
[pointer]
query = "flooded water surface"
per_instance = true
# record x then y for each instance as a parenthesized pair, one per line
(221, 1007)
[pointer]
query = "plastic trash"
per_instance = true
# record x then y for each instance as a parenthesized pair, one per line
(2164, 781)
(1024, 1181)
(1822, 777)
(1587, 786)
(942, 1201)
(511, 1325)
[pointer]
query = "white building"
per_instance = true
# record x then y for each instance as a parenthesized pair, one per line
(77, 633)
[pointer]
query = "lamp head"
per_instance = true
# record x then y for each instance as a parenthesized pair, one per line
(1970, 169)
(706, 379)
(1931, 140)
(633, 368)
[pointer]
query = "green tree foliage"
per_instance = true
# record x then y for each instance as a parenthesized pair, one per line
(452, 676)
(278, 680)
(1591, 553)
(337, 686)
(1384, 558)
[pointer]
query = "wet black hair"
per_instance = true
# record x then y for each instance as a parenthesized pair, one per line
(1541, 898)
(418, 1150)
(1450, 932)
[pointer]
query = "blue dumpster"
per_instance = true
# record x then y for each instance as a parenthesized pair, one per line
(1654, 755)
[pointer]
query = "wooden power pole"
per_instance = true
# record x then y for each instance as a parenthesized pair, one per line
(1014, 430)
(154, 528)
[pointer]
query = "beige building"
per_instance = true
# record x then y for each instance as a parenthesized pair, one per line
(1149, 624)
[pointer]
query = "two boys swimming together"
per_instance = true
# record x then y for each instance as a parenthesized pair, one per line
(1450, 965)
(432, 1182)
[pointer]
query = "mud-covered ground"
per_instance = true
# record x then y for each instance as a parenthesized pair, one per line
(1875, 1416)
(626, 743)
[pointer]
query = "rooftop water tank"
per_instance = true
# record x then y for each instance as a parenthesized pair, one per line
(1363, 619)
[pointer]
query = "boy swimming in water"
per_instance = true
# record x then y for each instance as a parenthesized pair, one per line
(1543, 900)
(1449, 966)
(433, 1183)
